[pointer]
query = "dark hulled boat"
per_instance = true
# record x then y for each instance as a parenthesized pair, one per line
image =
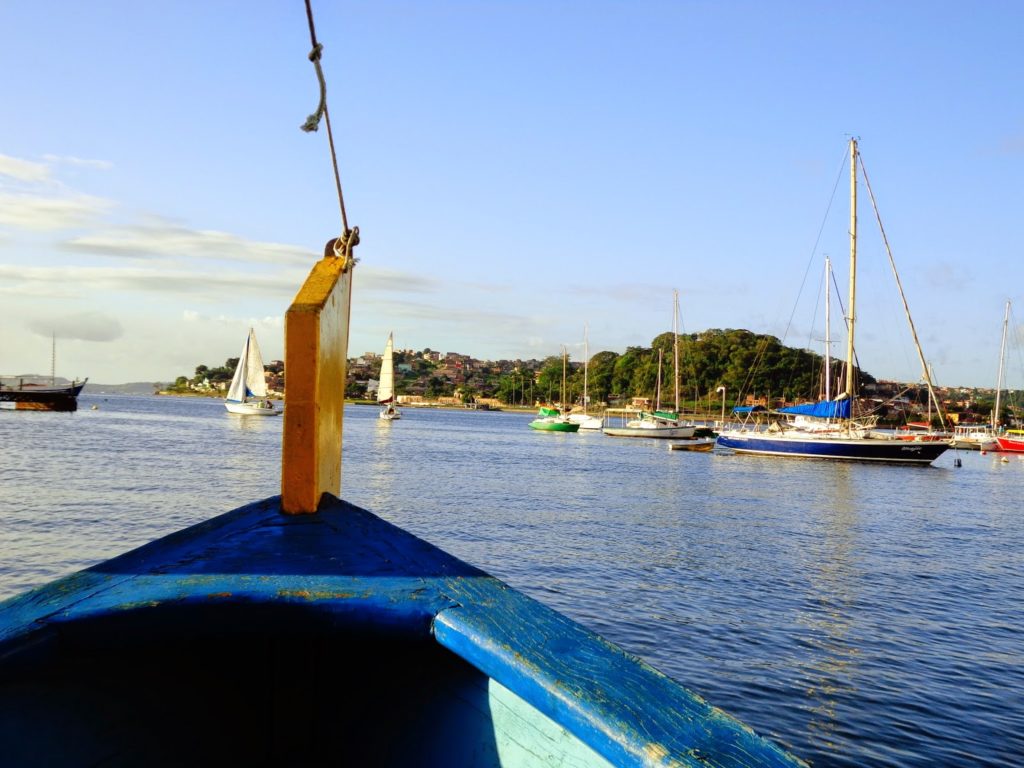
(32, 397)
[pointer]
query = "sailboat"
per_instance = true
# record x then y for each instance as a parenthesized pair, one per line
(828, 429)
(551, 419)
(33, 396)
(981, 437)
(247, 394)
(386, 390)
(584, 419)
(660, 424)
(1012, 440)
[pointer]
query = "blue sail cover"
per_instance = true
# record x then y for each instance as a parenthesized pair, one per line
(823, 409)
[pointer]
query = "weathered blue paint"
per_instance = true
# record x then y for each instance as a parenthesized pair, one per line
(255, 634)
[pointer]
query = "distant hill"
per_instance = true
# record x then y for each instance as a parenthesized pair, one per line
(131, 388)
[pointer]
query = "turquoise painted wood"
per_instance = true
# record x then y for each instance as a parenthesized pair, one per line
(265, 639)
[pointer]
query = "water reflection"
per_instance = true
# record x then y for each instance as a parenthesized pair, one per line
(830, 602)
(849, 611)
(379, 467)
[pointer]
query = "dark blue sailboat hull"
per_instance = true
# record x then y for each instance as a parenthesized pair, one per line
(264, 639)
(883, 451)
(41, 398)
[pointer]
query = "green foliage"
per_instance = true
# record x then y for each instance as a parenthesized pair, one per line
(549, 379)
(741, 361)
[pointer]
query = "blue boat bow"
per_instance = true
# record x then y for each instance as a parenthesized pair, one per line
(211, 643)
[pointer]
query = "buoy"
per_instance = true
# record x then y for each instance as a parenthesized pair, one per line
(957, 462)
(1005, 460)
(95, 408)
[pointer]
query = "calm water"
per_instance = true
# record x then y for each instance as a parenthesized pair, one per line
(856, 614)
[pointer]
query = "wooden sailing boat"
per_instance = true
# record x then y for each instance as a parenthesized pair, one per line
(827, 429)
(247, 395)
(31, 396)
(303, 630)
(386, 389)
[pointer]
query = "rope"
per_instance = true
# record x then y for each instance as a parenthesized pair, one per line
(342, 246)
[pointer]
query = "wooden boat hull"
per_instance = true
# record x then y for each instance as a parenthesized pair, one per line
(41, 398)
(264, 639)
(833, 448)
(699, 444)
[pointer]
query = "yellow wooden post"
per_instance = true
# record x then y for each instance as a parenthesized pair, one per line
(316, 350)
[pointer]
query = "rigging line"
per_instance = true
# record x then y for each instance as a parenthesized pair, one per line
(817, 241)
(313, 122)
(906, 307)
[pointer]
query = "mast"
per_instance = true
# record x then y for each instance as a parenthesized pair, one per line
(562, 396)
(675, 345)
(657, 390)
(1002, 360)
(53, 359)
(586, 367)
(828, 330)
(853, 272)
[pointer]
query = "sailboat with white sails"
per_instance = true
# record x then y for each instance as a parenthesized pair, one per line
(247, 395)
(828, 428)
(386, 389)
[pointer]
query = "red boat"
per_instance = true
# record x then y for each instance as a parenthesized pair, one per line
(1011, 440)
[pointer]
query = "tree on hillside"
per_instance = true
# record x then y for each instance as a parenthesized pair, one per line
(549, 379)
(599, 376)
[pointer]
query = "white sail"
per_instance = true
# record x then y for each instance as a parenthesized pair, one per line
(386, 390)
(249, 380)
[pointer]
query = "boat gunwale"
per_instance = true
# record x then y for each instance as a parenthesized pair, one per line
(624, 709)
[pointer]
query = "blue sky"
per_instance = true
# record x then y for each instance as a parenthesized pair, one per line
(517, 170)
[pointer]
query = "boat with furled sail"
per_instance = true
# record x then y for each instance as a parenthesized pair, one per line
(659, 423)
(551, 419)
(587, 421)
(39, 397)
(828, 429)
(20, 395)
(303, 630)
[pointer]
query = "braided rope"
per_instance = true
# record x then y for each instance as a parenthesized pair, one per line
(350, 237)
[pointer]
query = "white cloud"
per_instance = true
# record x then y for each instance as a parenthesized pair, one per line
(269, 321)
(171, 240)
(35, 212)
(85, 326)
(23, 170)
(214, 286)
(101, 165)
